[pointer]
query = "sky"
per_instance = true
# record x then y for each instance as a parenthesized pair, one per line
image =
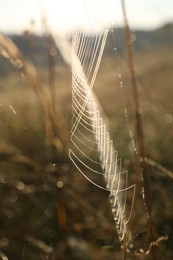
(62, 15)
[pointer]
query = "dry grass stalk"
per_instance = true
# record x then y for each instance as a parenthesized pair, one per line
(54, 124)
(140, 153)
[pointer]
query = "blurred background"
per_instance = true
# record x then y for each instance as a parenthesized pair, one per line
(48, 210)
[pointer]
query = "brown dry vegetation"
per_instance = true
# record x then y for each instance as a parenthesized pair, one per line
(47, 209)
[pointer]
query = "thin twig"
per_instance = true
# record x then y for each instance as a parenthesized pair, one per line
(159, 167)
(139, 130)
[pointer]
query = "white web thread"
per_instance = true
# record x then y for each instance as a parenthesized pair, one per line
(89, 132)
(5, 104)
(91, 142)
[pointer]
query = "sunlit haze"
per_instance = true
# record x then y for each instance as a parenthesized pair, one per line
(62, 15)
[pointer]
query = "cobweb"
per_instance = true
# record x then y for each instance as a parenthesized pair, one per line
(92, 148)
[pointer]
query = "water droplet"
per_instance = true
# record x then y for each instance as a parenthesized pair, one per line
(20, 185)
(133, 37)
(121, 84)
(60, 184)
(116, 219)
(131, 245)
(18, 64)
(143, 193)
(141, 250)
(128, 251)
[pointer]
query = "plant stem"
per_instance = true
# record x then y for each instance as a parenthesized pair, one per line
(139, 129)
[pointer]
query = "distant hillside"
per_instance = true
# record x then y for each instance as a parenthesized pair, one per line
(41, 50)
(150, 39)
(36, 48)
(142, 40)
